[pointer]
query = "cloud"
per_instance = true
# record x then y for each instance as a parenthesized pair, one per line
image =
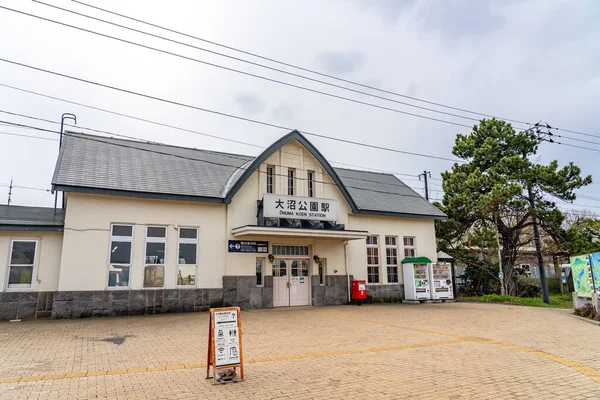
(283, 113)
(341, 62)
(389, 10)
(250, 103)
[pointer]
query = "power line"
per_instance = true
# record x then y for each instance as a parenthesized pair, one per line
(27, 136)
(254, 63)
(23, 187)
(294, 66)
(224, 114)
(219, 164)
(237, 71)
(154, 142)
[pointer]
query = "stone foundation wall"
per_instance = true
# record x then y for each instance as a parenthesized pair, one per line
(392, 293)
(334, 292)
(25, 305)
(241, 291)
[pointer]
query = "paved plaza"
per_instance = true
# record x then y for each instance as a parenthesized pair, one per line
(429, 351)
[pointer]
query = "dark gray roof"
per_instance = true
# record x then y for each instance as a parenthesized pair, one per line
(124, 165)
(375, 192)
(31, 218)
(96, 164)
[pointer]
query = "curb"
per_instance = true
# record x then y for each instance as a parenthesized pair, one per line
(589, 321)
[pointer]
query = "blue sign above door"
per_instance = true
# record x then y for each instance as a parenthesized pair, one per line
(243, 246)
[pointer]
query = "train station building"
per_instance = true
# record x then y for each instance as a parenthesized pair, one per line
(149, 228)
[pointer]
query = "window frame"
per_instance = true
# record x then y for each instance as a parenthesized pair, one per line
(376, 247)
(407, 247)
(310, 177)
(387, 258)
(271, 177)
(109, 264)
(263, 262)
(164, 265)
(180, 241)
(21, 288)
(291, 184)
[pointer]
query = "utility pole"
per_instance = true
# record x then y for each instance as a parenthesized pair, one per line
(500, 272)
(424, 175)
(10, 192)
(538, 245)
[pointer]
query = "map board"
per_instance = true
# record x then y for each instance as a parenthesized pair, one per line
(225, 344)
(582, 275)
(595, 265)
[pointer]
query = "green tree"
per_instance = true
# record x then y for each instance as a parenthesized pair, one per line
(490, 190)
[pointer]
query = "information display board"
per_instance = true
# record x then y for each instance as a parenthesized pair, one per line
(225, 345)
(582, 275)
(247, 246)
(595, 265)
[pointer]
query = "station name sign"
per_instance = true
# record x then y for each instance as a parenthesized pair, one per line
(295, 207)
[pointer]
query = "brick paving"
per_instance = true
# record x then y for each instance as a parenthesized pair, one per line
(433, 351)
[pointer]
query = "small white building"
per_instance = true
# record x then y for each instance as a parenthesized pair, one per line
(150, 228)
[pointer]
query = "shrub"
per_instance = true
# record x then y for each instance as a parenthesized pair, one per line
(529, 287)
(554, 285)
(587, 311)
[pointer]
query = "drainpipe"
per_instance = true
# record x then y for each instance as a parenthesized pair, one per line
(347, 274)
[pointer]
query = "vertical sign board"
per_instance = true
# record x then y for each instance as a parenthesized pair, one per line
(595, 264)
(582, 275)
(225, 345)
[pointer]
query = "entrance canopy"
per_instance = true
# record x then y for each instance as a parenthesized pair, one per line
(416, 260)
(252, 230)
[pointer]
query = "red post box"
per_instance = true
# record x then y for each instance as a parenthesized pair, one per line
(359, 291)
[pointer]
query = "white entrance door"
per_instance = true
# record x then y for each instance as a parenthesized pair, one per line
(290, 283)
(299, 283)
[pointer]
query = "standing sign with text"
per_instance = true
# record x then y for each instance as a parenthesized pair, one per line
(295, 207)
(225, 345)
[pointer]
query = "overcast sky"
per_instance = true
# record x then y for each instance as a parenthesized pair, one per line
(524, 60)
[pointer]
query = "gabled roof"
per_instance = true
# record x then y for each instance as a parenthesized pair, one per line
(31, 218)
(101, 165)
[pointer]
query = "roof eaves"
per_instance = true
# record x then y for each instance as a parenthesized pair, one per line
(130, 193)
(17, 227)
(405, 215)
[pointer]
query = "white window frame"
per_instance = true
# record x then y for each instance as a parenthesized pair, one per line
(130, 265)
(270, 176)
(262, 271)
(391, 247)
(164, 265)
(22, 287)
(407, 247)
(310, 175)
(378, 266)
(291, 182)
(186, 241)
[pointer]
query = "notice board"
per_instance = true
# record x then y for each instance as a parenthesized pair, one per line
(582, 275)
(225, 345)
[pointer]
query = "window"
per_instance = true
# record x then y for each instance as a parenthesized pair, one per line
(121, 241)
(322, 271)
(156, 244)
(311, 184)
(291, 173)
(187, 256)
(22, 261)
(259, 271)
(391, 256)
(409, 247)
(373, 259)
(270, 179)
(280, 250)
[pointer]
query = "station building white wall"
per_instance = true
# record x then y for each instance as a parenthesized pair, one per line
(85, 256)
(47, 264)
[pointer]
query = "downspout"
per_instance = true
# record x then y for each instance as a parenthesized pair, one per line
(347, 274)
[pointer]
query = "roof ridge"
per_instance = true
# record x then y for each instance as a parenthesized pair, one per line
(142, 141)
